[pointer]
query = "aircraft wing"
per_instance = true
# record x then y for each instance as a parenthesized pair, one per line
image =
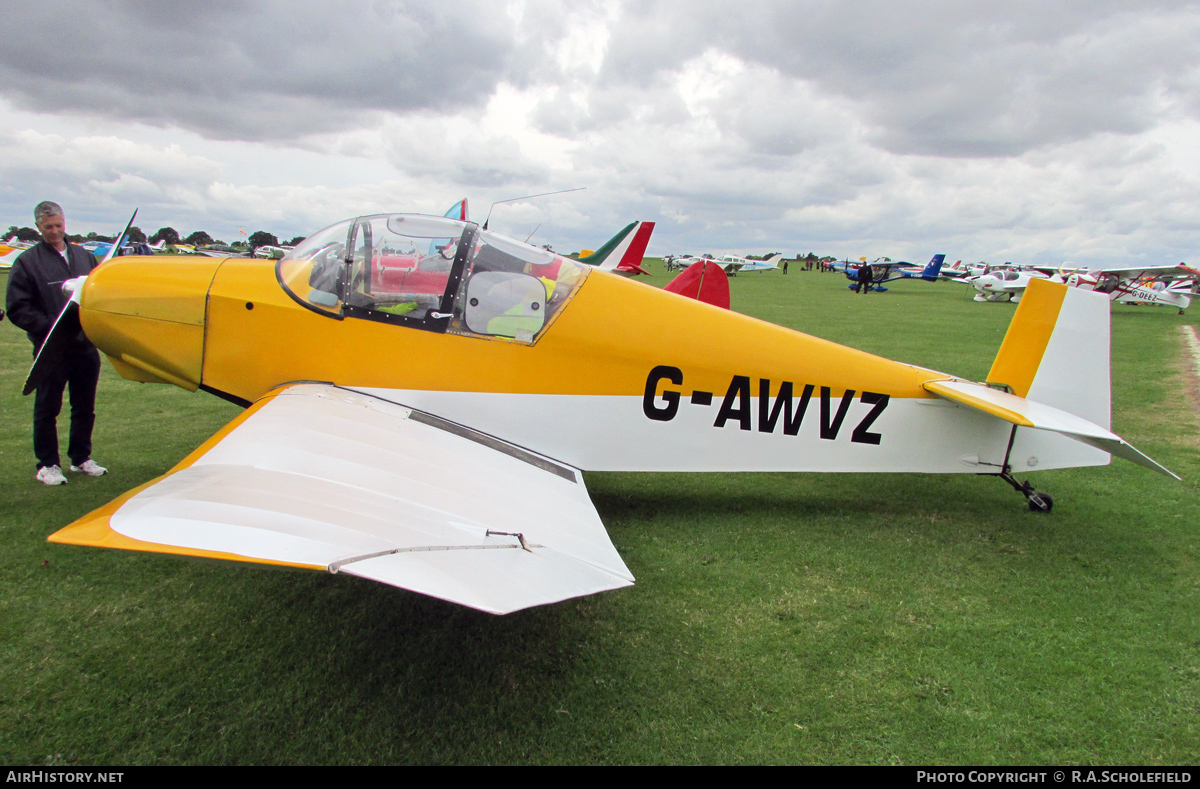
(320, 477)
(1050, 271)
(1180, 271)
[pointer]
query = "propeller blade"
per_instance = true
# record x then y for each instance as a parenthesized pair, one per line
(120, 240)
(66, 327)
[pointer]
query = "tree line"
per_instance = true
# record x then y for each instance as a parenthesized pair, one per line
(169, 235)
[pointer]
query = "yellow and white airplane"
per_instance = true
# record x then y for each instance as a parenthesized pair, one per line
(429, 431)
(10, 250)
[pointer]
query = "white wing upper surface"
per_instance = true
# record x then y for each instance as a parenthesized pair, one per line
(1181, 271)
(326, 477)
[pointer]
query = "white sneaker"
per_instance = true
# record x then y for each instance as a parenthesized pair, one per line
(90, 467)
(51, 475)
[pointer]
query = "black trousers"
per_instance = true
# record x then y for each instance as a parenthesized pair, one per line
(80, 370)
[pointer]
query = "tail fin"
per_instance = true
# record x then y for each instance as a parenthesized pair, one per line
(458, 210)
(704, 281)
(1054, 361)
(933, 267)
(1056, 351)
(624, 251)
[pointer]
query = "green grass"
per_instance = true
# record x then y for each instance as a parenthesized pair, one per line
(777, 618)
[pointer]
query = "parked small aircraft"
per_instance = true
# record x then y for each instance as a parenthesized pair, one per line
(103, 249)
(955, 270)
(1168, 286)
(1005, 284)
(731, 264)
(680, 262)
(9, 252)
(269, 252)
(623, 252)
(435, 442)
(890, 271)
(677, 262)
(1171, 286)
(735, 265)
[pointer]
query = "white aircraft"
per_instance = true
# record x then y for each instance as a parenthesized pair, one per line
(1168, 286)
(1005, 284)
(731, 264)
(734, 264)
(267, 251)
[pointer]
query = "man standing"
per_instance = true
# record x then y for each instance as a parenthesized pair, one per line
(35, 299)
(865, 277)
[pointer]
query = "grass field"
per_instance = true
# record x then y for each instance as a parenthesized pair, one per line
(777, 618)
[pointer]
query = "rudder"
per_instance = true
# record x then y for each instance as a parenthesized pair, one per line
(1056, 351)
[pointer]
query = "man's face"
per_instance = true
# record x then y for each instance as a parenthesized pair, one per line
(53, 229)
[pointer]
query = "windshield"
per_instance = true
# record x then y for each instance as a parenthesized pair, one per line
(433, 273)
(312, 272)
(397, 264)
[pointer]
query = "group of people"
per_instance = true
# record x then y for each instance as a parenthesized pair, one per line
(34, 301)
(810, 263)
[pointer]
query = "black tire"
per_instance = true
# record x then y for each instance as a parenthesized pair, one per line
(1040, 502)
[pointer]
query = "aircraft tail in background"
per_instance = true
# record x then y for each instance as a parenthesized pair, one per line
(934, 267)
(624, 251)
(703, 281)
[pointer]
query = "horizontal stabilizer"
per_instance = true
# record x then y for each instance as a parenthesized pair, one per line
(1027, 413)
(319, 477)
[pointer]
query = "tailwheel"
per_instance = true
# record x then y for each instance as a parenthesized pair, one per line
(1040, 502)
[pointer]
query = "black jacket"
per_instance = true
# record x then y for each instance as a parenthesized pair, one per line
(35, 294)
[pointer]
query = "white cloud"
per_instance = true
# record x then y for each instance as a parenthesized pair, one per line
(982, 130)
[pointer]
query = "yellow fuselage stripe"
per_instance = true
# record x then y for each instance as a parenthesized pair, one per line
(604, 342)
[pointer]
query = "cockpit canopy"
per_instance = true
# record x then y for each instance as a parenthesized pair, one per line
(430, 273)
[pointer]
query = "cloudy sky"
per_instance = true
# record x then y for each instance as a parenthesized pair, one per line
(1047, 132)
